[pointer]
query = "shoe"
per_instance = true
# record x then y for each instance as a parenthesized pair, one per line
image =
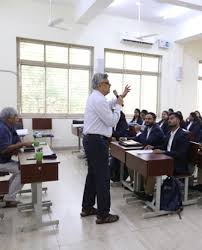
(109, 219)
(144, 197)
(197, 187)
(149, 197)
(141, 195)
(88, 212)
(11, 204)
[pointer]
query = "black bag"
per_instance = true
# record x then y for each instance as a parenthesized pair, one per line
(115, 170)
(171, 198)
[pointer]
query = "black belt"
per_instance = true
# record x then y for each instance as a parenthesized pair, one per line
(100, 136)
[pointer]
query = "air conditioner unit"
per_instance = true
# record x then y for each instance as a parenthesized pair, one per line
(132, 39)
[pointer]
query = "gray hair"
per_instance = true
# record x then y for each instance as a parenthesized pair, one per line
(98, 78)
(7, 113)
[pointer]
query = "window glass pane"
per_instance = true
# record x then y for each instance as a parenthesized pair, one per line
(33, 89)
(31, 51)
(200, 70)
(149, 93)
(80, 56)
(78, 90)
(114, 60)
(116, 81)
(132, 100)
(56, 54)
(56, 90)
(150, 64)
(132, 62)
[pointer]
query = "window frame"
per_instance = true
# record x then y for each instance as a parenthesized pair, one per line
(199, 79)
(20, 62)
(137, 72)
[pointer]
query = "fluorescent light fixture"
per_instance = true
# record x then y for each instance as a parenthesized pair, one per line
(116, 3)
(174, 11)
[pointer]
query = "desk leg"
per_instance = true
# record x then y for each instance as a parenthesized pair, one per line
(79, 141)
(119, 183)
(38, 212)
(51, 141)
(30, 206)
(132, 198)
(158, 193)
(34, 193)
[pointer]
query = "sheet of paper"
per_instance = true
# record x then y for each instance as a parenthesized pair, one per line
(22, 132)
(144, 151)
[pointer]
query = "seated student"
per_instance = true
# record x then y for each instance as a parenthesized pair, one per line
(136, 118)
(193, 126)
(170, 110)
(121, 129)
(143, 113)
(9, 145)
(163, 124)
(200, 121)
(176, 145)
(152, 134)
(198, 114)
(182, 121)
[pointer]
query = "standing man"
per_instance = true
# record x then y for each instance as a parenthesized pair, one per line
(98, 123)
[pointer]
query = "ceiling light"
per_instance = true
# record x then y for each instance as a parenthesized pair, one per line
(174, 11)
(116, 3)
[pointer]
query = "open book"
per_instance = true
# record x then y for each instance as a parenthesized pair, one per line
(130, 143)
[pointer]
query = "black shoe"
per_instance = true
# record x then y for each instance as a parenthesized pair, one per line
(149, 197)
(141, 195)
(145, 197)
(197, 187)
(88, 212)
(109, 219)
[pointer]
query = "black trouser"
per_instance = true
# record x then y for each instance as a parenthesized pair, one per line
(98, 177)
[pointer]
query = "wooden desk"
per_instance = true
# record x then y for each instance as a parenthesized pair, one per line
(119, 152)
(151, 165)
(34, 173)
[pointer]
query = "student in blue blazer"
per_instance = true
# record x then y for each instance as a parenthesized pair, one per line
(152, 134)
(193, 126)
(163, 124)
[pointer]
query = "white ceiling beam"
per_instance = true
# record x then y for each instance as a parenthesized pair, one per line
(89, 9)
(183, 3)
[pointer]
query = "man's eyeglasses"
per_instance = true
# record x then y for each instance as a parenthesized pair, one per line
(107, 83)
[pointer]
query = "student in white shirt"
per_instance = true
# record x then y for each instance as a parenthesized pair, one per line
(98, 123)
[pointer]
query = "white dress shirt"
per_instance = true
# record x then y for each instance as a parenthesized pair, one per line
(189, 125)
(99, 118)
(148, 131)
(172, 134)
(161, 124)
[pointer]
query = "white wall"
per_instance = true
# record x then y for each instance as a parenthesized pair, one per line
(192, 55)
(25, 18)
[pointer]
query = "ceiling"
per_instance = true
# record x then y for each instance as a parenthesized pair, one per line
(151, 10)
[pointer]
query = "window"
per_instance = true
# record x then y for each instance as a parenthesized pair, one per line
(54, 78)
(141, 71)
(199, 92)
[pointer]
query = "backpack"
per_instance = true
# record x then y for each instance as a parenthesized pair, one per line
(171, 199)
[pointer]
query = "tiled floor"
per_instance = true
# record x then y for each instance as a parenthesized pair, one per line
(132, 232)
